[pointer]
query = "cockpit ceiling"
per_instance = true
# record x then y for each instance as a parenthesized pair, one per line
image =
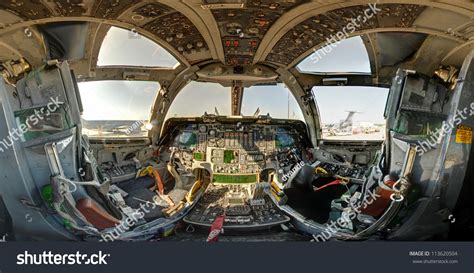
(243, 30)
(163, 23)
(107, 9)
(319, 29)
(172, 26)
(278, 33)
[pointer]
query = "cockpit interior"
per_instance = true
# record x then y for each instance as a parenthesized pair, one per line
(236, 120)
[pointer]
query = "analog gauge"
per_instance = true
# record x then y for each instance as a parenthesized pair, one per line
(220, 143)
(202, 128)
(212, 133)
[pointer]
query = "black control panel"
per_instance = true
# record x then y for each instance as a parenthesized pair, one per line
(244, 207)
(239, 148)
(235, 152)
(355, 173)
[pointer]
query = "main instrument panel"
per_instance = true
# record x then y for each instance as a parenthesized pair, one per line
(244, 158)
(235, 152)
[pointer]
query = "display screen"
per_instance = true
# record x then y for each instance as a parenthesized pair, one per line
(229, 156)
(199, 156)
(187, 139)
(284, 140)
(44, 126)
(235, 179)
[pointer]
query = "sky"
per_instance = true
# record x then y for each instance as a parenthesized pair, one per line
(349, 55)
(132, 100)
(122, 46)
(270, 99)
(333, 102)
(118, 100)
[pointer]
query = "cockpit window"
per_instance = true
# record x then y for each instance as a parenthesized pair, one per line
(128, 48)
(351, 112)
(117, 108)
(275, 100)
(196, 98)
(349, 55)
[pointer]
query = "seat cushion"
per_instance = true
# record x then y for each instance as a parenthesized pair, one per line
(142, 196)
(143, 182)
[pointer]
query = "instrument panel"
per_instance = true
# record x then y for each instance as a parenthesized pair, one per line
(237, 152)
(244, 159)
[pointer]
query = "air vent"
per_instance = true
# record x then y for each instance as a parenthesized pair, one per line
(223, 4)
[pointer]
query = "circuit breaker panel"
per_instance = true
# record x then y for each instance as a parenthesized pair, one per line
(44, 108)
(435, 119)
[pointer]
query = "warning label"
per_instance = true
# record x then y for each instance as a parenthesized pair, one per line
(464, 134)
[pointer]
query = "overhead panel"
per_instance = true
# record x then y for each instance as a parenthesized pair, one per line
(320, 29)
(43, 9)
(29, 9)
(110, 9)
(242, 29)
(172, 27)
(167, 23)
(178, 31)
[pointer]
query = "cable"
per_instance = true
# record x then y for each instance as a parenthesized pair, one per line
(333, 183)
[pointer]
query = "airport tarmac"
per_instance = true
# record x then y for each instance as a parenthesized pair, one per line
(373, 136)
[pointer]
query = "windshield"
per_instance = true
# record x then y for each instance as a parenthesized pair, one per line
(199, 97)
(275, 100)
(196, 98)
(117, 108)
(351, 112)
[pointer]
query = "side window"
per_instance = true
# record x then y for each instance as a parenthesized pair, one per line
(351, 112)
(127, 48)
(117, 108)
(334, 58)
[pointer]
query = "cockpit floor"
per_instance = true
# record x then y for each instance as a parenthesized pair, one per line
(315, 205)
